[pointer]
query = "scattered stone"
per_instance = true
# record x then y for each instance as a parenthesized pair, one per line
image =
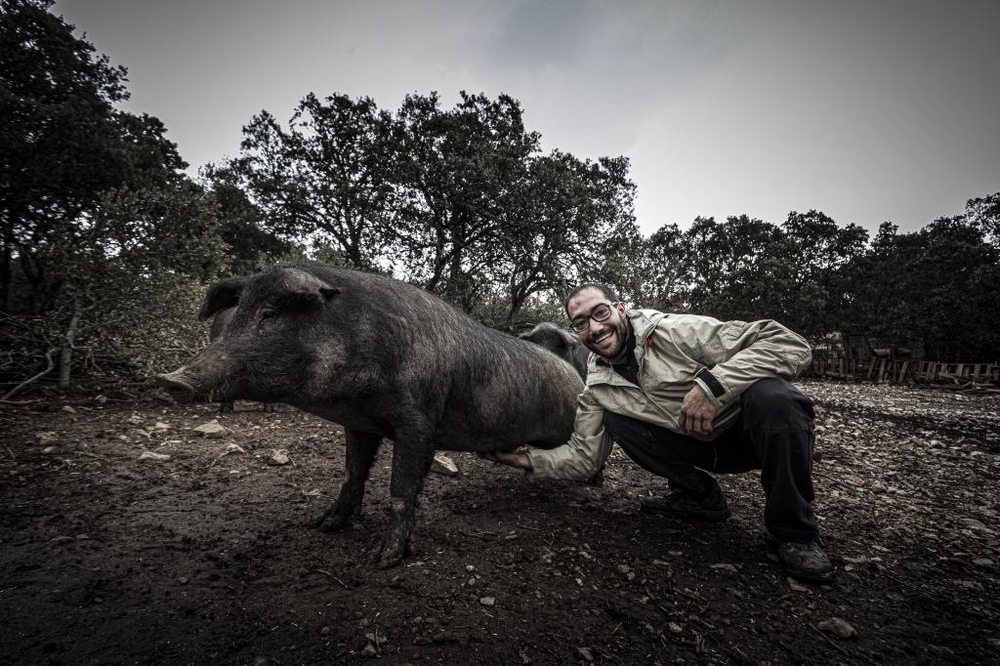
(983, 562)
(488, 601)
(68, 409)
(150, 455)
(50, 449)
(856, 560)
(674, 627)
(279, 457)
(160, 425)
(212, 430)
(585, 653)
(796, 586)
(233, 448)
(837, 627)
(101, 399)
(974, 525)
(47, 438)
(444, 465)
(724, 566)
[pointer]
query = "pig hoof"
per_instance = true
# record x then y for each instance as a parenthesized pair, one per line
(331, 522)
(388, 561)
(391, 556)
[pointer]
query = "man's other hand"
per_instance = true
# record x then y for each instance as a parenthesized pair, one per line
(697, 412)
(512, 458)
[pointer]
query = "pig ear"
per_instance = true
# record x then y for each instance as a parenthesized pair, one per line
(221, 295)
(567, 338)
(303, 289)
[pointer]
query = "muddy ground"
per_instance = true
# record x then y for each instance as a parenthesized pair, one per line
(206, 555)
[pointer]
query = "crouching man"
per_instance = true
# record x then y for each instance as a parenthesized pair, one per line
(685, 395)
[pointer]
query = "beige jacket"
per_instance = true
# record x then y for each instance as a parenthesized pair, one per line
(675, 352)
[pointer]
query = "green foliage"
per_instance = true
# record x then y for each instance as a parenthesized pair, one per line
(938, 285)
(456, 200)
(737, 269)
(818, 252)
(936, 290)
(984, 214)
(64, 144)
(97, 225)
(458, 170)
(662, 268)
(568, 218)
(324, 179)
(250, 242)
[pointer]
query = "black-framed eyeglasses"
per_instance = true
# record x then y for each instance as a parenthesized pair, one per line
(600, 312)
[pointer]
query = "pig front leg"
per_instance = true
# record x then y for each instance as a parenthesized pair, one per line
(411, 461)
(361, 450)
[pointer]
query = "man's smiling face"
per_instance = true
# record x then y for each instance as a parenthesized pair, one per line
(606, 338)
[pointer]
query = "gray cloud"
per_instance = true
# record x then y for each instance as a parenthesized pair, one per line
(868, 111)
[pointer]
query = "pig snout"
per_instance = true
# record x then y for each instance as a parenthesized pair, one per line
(176, 386)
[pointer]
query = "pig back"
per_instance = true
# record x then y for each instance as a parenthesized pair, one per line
(419, 357)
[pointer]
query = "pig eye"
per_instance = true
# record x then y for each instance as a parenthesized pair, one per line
(267, 314)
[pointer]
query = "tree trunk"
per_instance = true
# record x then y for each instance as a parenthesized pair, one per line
(66, 354)
(6, 257)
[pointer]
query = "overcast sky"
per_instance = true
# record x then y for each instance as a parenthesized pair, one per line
(868, 111)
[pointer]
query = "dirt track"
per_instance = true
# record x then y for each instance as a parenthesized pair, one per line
(206, 556)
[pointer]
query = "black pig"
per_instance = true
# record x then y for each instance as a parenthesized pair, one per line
(384, 359)
(562, 343)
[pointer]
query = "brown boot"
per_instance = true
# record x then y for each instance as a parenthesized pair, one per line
(804, 561)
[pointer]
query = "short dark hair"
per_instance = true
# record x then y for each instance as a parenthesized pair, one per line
(608, 292)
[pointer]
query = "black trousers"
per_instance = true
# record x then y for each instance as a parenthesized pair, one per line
(774, 433)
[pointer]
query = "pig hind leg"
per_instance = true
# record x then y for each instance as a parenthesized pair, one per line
(412, 455)
(361, 450)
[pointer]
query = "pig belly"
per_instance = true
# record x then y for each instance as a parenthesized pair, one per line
(349, 418)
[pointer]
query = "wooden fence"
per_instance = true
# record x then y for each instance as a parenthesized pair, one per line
(902, 370)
